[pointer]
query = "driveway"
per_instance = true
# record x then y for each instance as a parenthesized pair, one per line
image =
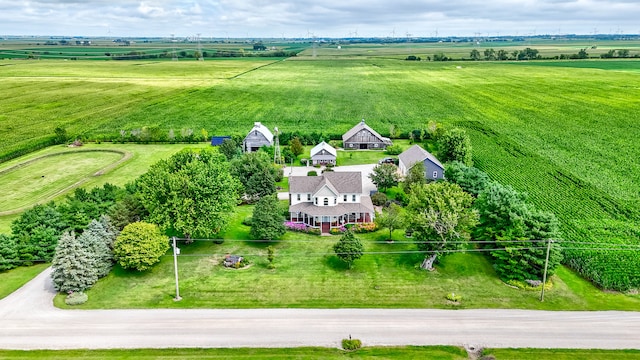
(29, 321)
(367, 185)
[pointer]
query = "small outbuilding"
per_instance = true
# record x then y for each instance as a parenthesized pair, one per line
(434, 170)
(218, 140)
(323, 154)
(258, 137)
(364, 137)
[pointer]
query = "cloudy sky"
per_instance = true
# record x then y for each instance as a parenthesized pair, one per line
(324, 18)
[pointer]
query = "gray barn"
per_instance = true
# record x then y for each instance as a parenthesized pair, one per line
(362, 136)
(415, 154)
(258, 137)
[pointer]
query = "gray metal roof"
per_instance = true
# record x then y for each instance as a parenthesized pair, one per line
(417, 154)
(263, 130)
(323, 146)
(362, 126)
(365, 206)
(347, 182)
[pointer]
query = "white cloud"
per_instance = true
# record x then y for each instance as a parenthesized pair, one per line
(329, 18)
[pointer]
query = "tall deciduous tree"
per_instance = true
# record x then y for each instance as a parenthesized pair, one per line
(267, 222)
(455, 145)
(348, 248)
(191, 192)
(518, 234)
(392, 218)
(139, 246)
(415, 177)
(384, 176)
(73, 265)
(441, 217)
(256, 173)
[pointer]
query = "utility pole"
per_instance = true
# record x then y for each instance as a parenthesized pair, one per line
(176, 252)
(544, 276)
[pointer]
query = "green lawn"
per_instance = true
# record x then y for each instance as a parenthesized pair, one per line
(44, 178)
(378, 353)
(12, 280)
(309, 275)
(562, 354)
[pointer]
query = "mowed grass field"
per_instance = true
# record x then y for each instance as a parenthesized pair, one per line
(565, 132)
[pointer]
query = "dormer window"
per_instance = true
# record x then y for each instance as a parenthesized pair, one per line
(316, 201)
(344, 198)
(298, 197)
(308, 197)
(326, 201)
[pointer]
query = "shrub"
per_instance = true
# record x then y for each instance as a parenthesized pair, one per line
(337, 231)
(312, 173)
(393, 150)
(379, 199)
(351, 344)
(453, 297)
(76, 298)
(247, 221)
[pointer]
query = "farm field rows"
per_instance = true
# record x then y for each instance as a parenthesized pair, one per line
(564, 132)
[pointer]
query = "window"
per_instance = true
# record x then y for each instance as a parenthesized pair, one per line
(344, 198)
(351, 145)
(375, 145)
(353, 198)
(316, 201)
(326, 201)
(435, 174)
(308, 197)
(335, 200)
(298, 197)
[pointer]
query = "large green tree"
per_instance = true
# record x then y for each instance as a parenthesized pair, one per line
(441, 218)
(230, 149)
(348, 248)
(455, 145)
(256, 173)
(517, 234)
(267, 222)
(385, 176)
(73, 265)
(139, 246)
(192, 192)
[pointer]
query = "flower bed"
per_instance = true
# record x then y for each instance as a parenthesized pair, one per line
(300, 227)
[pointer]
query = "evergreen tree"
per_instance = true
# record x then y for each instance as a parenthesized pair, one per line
(267, 222)
(9, 255)
(73, 265)
(98, 239)
(348, 248)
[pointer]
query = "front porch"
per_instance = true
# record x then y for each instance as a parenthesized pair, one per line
(327, 222)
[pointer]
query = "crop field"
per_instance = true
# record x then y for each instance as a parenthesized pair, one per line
(565, 132)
